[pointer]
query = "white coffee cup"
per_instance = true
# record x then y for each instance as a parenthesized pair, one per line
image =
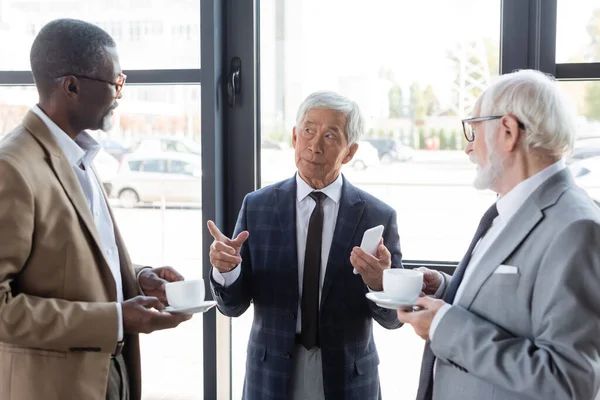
(402, 284)
(185, 294)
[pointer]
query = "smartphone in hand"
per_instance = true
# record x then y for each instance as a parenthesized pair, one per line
(370, 240)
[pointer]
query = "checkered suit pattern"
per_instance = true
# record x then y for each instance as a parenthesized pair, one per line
(269, 280)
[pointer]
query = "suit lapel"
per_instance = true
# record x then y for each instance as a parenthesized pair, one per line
(64, 172)
(285, 199)
(349, 214)
(518, 228)
(511, 236)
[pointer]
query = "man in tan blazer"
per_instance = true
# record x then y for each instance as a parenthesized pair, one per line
(70, 301)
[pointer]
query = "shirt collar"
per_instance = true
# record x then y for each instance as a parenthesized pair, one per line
(82, 150)
(509, 204)
(333, 191)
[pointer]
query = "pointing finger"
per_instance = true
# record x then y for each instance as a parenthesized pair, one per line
(215, 232)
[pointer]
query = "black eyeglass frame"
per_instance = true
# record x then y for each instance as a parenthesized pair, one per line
(118, 84)
(468, 121)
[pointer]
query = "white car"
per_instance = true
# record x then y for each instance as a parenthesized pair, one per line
(366, 156)
(147, 177)
(107, 167)
(587, 175)
(153, 145)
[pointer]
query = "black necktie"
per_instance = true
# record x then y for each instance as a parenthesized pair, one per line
(312, 273)
(426, 380)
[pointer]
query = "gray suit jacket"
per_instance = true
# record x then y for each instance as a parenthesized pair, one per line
(534, 334)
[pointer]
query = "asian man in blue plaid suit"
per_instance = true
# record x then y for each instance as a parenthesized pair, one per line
(294, 256)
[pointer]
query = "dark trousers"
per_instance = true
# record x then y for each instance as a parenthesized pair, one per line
(118, 381)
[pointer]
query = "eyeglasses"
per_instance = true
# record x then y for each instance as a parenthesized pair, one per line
(468, 130)
(118, 84)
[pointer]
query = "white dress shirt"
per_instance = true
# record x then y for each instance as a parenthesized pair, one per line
(304, 208)
(507, 205)
(81, 153)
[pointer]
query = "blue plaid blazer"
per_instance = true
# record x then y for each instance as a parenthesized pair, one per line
(269, 280)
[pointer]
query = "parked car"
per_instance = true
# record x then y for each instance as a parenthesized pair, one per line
(390, 150)
(587, 175)
(146, 177)
(584, 148)
(582, 153)
(114, 148)
(366, 156)
(267, 144)
(277, 160)
(106, 166)
(168, 145)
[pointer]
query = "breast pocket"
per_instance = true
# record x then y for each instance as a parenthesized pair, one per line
(499, 297)
(500, 286)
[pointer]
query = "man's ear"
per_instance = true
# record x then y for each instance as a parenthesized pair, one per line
(351, 152)
(70, 86)
(510, 132)
(294, 137)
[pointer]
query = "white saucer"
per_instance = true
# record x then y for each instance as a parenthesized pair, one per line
(202, 307)
(384, 301)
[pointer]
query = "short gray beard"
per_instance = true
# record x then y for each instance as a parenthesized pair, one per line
(486, 176)
(106, 124)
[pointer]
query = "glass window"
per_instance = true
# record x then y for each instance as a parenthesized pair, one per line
(177, 146)
(578, 31)
(413, 90)
(145, 32)
(135, 165)
(584, 161)
(181, 167)
(413, 85)
(161, 221)
(153, 166)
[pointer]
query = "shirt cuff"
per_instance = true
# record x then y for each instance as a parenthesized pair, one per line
(226, 279)
(137, 279)
(442, 287)
(437, 318)
(120, 319)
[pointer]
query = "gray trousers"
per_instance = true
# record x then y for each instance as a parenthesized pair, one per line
(118, 380)
(307, 383)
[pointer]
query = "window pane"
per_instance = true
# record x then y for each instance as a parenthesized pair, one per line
(413, 85)
(413, 88)
(153, 166)
(584, 162)
(160, 217)
(153, 34)
(135, 165)
(578, 31)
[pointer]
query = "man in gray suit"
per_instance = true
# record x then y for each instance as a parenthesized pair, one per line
(520, 317)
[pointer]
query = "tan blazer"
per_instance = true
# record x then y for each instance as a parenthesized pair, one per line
(58, 320)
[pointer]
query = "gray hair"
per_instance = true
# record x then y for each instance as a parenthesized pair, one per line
(67, 47)
(534, 99)
(355, 123)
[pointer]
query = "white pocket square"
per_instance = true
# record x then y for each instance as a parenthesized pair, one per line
(506, 269)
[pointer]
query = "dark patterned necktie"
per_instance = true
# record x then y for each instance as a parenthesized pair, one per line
(309, 335)
(426, 380)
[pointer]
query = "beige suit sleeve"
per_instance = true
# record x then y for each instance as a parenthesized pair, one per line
(31, 321)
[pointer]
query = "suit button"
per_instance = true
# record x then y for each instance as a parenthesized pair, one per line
(293, 316)
(287, 355)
